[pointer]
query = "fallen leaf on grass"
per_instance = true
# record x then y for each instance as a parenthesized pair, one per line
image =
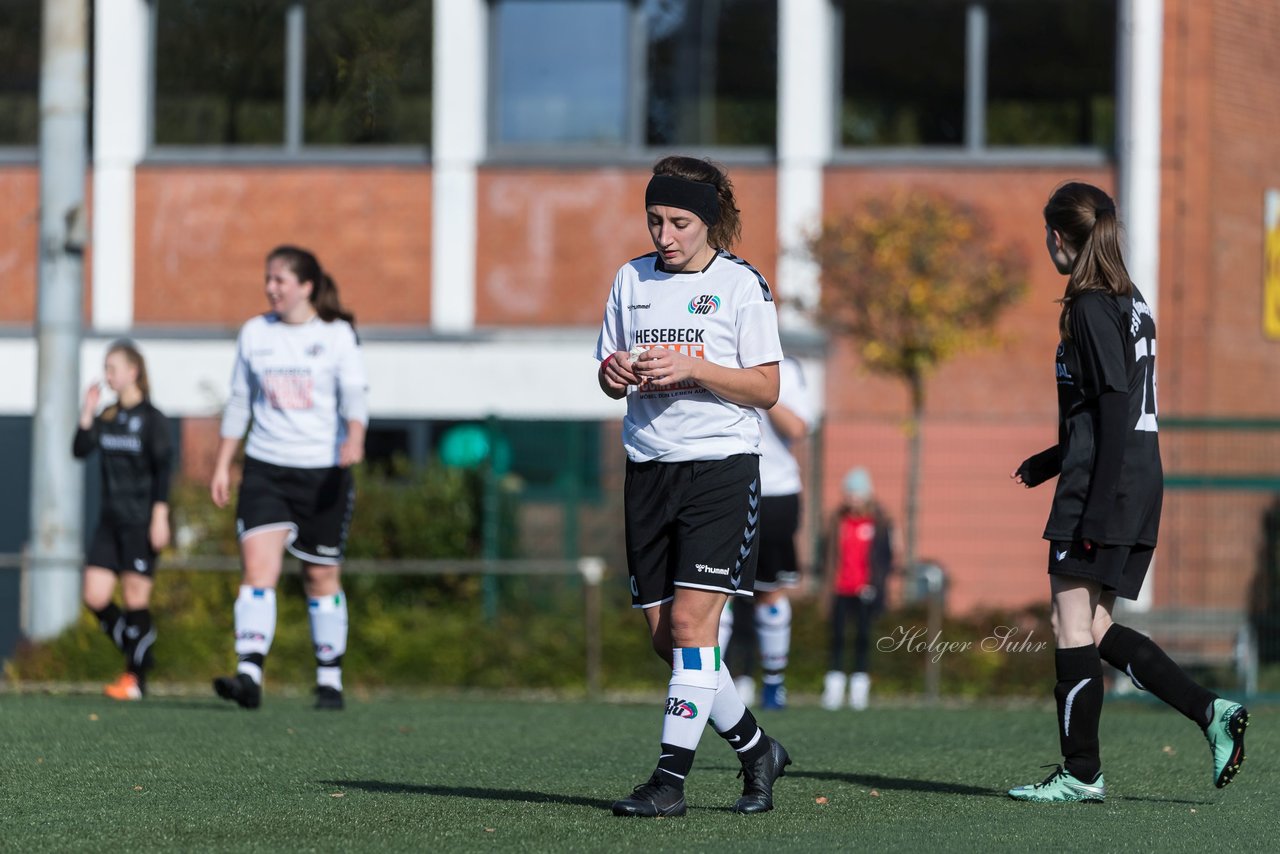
(1193, 809)
(39, 760)
(490, 830)
(820, 800)
(874, 793)
(137, 788)
(1168, 750)
(338, 795)
(93, 717)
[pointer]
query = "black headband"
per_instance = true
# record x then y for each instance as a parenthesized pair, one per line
(693, 196)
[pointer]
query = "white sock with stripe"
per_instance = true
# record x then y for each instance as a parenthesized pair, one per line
(329, 637)
(695, 675)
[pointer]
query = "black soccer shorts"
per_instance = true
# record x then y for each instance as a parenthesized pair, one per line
(1117, 569)
(692, 524)
(122, 548)
(779, 521)
(314, 505)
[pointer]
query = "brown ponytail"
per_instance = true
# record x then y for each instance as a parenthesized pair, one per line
(324, 291)
(1085, 217)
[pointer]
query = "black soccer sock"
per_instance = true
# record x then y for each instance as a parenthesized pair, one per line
(111, 621)
(139, 636)
(676, 763)
(746, 738)
(1079, 696)
(1143, 661)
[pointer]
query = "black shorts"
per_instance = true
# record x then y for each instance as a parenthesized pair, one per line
(1117, 569)
(779, 521)
(692, 524)
(314, 505)
(122, 548)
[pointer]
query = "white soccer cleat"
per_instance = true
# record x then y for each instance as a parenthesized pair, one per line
(859, 690)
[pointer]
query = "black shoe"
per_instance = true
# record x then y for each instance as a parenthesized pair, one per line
(653, 799)
(758, 778)
(240, 688)
(328, 698)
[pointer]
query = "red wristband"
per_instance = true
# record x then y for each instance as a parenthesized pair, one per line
(607, 360)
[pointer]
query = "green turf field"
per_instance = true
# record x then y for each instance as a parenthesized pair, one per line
(82, 773)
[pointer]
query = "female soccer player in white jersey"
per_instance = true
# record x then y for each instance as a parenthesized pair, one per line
(300, 377)
(690, 339)
(132, 438)
(1106, 508)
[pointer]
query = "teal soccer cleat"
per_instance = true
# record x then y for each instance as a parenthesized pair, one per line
(1061, 787)
(1225, 734)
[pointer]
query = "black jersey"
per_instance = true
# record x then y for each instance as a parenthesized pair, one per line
(1112, 348)
(136, 460)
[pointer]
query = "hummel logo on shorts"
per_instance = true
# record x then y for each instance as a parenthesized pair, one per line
(1062, 555)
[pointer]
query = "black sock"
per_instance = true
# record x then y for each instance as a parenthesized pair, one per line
(676, 762)
(1143, 661)
(112, 624)
(741, 734)
(139, 635)
(1079, 696)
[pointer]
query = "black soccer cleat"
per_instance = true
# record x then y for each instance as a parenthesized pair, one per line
(758, 778)
(654, 799)
(328, 698)
(240, 688)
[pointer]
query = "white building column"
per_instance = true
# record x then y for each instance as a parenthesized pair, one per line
(122, 56)
(1139, 84)
(1140, 69)
(459, 99)
(806, 137)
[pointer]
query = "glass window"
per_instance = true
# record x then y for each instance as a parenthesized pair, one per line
(561, 71)
(20, 72)
(701, 72)
(712, 72)
(368, 72)
(1058, 90)
(219, 72)
(903, 72)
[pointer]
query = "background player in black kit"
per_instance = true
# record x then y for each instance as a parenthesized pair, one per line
(133, 438)
(1106, 508)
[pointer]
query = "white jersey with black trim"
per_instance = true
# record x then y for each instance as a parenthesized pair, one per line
(301, 383)
(723, 313)
(779, 470)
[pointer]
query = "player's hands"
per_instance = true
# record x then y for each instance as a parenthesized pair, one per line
(159, 532)
(661, 367)
(351, 451)
(220, 487)
(92, 396)
(618, 372)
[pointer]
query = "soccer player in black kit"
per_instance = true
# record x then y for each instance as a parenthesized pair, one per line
(1106, 508)
(132, 437)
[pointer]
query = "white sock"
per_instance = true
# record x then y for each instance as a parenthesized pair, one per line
(255, 617)
(773, 628)
(726, 624)
(695, 675)
(329, 637)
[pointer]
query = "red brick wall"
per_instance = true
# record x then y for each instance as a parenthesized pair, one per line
(19, 236)
(551, 240)
(202, 234)
(985, 412)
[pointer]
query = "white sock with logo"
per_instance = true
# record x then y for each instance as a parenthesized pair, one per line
(695, 675)
(255, 618)
(773, 628)
(329, 637)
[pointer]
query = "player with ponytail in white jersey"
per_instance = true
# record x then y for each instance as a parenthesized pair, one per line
(299, 379)
(690, 340)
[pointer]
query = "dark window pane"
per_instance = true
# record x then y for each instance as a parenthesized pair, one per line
(713, 71)
(1051, 72)
(561, 71)
(19, 72)
(903, 75)
(220, 72)
(368, 72)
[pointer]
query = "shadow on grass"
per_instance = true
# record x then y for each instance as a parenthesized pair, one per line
(384, 787)
(898, 784)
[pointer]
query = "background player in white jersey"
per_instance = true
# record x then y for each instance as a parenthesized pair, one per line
(135, 458)
(690, 339)
(785, 423)
(299, 375)
(1106, 508)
